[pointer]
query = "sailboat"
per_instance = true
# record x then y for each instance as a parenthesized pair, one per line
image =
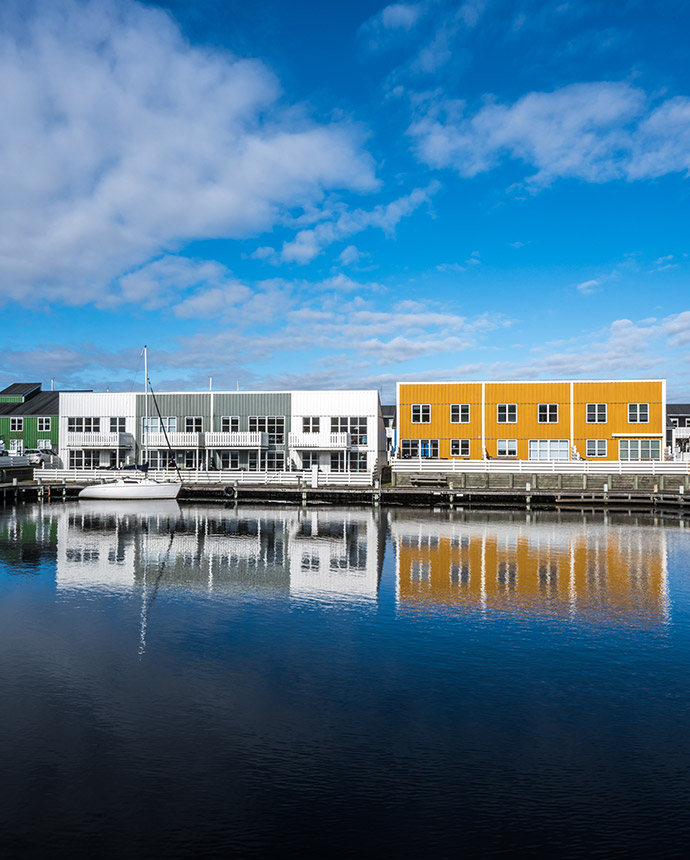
(137, 487)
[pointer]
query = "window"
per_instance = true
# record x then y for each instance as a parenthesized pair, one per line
(459, 447)
(310, 424)
(310, 458)
(338, 461)
(596, 447)
(229, 424)
(638, 413)
(506, 447)
(117, 425)
(639, 449)
(252, 461)
(158, 425)
(84, 459)
(460, 413)
(229, 459)
(548, 449)
(273, 425)
(43, 425)
(358, 461)
(272, 461)
(674, 422)
(186, 459)
(506, 413)
(16, 446)
(45, 443)
(421, 413)
(192, 424)
(16, 425)
(547, 413)
(84, 425)
(355, 425)
(596, 413)
(419, 448)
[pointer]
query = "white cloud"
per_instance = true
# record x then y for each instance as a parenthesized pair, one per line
(120, 142)
(383, 28)
(308, 244)
(588, 287)
(594, 132)
(350, 256)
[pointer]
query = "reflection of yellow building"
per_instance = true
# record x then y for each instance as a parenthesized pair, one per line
(608, 571)
(604, 420)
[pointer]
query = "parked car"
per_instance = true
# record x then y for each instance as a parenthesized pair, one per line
(43, 457)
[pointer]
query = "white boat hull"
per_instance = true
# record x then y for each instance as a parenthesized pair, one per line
(131, 489)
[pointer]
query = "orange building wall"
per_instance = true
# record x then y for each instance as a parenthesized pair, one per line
(527, 396)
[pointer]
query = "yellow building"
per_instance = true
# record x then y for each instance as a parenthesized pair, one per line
(564, 420)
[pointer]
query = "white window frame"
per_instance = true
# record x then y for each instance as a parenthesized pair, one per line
(506, 447)
(634, 449)
(459, 447)
(311, 424)
(43, 425)
(503, 413)
(422, 409)
(193, 424)
(229, 424)
(459, 413)
(118, 424)
(16, 425)
(426, 448)
(549, 409)
(596, 410)
(548, 450)
(596, 448)
(635, 412)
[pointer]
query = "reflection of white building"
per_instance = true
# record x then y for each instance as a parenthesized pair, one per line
(323, 553)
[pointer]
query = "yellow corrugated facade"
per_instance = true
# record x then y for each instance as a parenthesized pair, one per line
(425, 412)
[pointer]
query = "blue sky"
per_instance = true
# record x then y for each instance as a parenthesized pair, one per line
(305, 194)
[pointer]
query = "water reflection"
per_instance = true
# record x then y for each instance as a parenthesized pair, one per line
(550, 563)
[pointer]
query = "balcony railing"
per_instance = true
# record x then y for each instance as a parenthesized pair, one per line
(177, 440)
(320, 441)
(100, 440)
(244, 439)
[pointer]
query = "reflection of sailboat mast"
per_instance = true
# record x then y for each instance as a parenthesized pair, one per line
(146, 605)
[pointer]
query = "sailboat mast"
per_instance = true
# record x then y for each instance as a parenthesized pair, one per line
(146, 406)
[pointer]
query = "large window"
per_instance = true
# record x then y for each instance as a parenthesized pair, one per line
(421, 413)
(229, 460)
(273, 425)
(638, 413)
(506, 447)
(310, 458)
(117, 424)
(358, 461)
(548, 449)
(459, 447)
(355, 425)
(460, 413)
(639, 449)
(43, 425)
(419, 448)
(596, 447)
(338, 461)
(506, 413)
(272, 461)
(547, 413)
(158, 425)
(193, 424)
(163, 459)
(84, 459)
(84, 425)
(311, 424)
(16, 425)
(229, 424)
(596, 413)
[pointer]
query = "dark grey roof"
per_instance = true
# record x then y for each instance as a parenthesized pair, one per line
(677, 409)
(43, 403)
(20, 389)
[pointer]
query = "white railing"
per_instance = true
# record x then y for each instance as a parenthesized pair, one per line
(321, 441)
(14, 460)
(540, 467)
(100, 440)
(177, 440)
(237, 440)
(681, 433)
(218, 478)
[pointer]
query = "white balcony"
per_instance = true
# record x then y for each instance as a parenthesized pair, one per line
(255, 439)
(681, 432)
(176, 440)
(100, 440)
(320, 441)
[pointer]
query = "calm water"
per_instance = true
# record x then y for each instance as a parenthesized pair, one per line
(271, 682)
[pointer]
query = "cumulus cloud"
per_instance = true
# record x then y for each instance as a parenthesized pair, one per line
(121, 141)
(383, 28)
(596, 132)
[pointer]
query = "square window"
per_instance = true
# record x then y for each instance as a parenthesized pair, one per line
(459, 447)
(506, 447)
(43, 425)
(506, 413)
(229, 424)
(638, 413)
(596, 447)
(117, 425)
(311, 424)
(421, 413)
(460, 413)
(192, 424)
(16, 425)
(547, 413)
(596, 413)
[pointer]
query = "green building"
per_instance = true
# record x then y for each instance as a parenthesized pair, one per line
(29, 417)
